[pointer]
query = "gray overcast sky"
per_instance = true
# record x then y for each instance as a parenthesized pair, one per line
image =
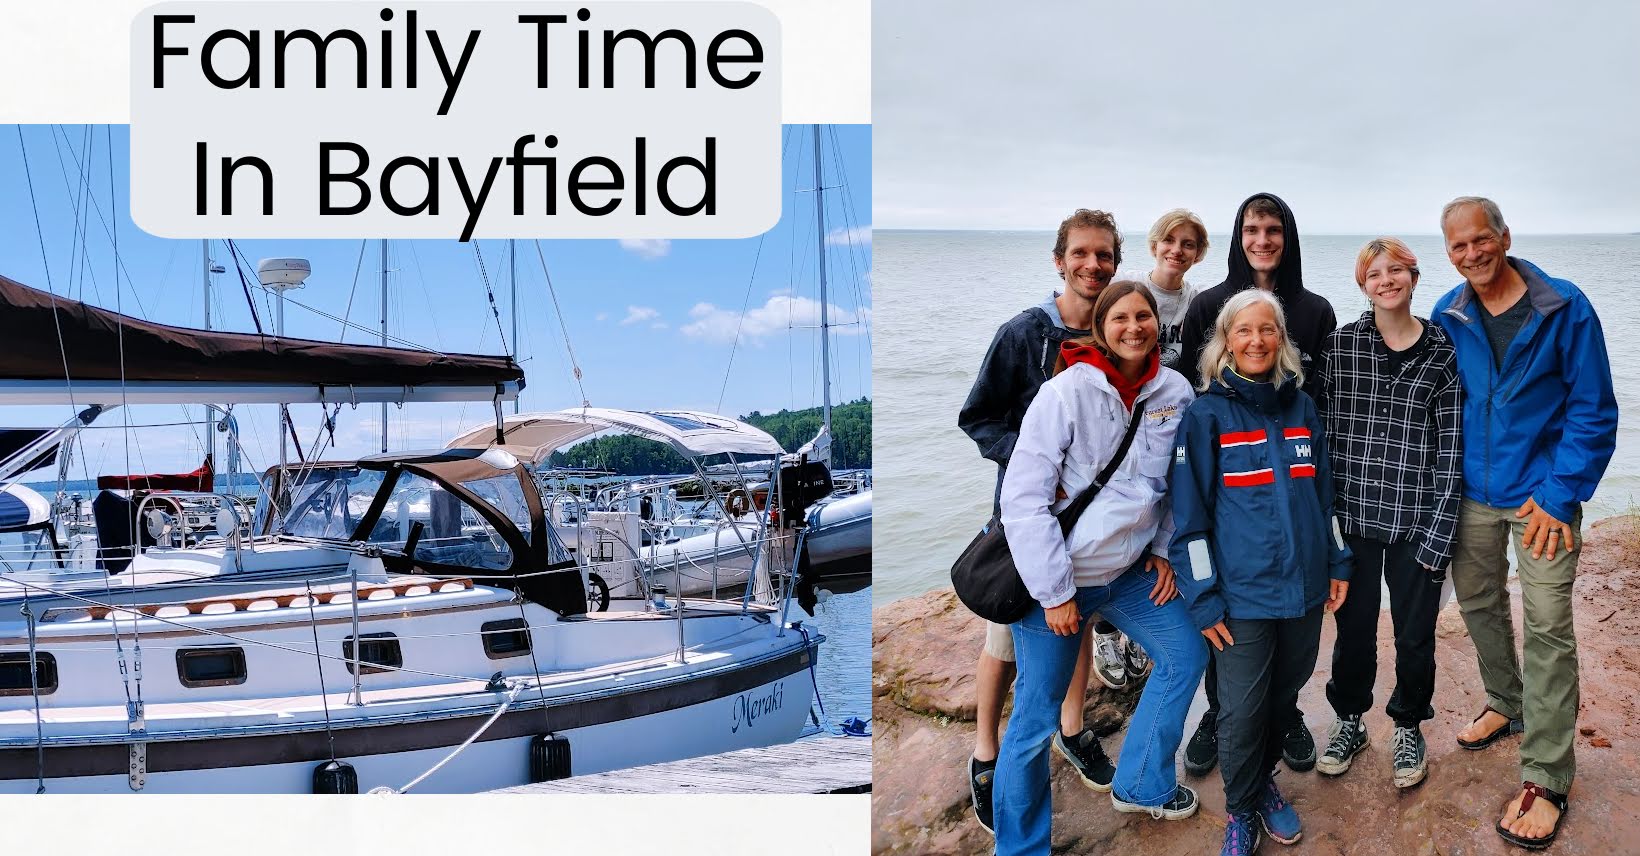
(1366, 118)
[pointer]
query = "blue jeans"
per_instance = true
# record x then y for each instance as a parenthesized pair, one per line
(1145, 773)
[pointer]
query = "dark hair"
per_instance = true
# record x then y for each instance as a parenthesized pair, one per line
(1101, 308)
(1262, 205)
(1087, 219)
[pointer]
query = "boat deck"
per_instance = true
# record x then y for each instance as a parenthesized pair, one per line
(827, 765)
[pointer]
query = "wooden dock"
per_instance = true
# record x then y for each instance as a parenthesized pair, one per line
(825, 765)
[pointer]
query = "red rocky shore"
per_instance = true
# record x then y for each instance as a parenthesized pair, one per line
(923, 653)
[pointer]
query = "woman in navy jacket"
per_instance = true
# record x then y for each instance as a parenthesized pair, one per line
(1253, 548)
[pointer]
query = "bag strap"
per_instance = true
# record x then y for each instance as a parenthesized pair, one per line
(1072, 512)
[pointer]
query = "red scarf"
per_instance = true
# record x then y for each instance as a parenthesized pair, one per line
(1129, 390)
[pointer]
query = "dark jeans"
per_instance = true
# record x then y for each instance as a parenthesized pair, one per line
(1414, 600)
(1260, 674)
(1210, 682)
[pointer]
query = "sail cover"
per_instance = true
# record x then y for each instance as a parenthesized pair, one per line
(43, 332)
(21, 508)
(533, 437)
(15, 440)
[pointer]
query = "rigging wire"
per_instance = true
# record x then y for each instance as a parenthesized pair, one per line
(107, 230)
(358, 266)
(484, 276)
(746, 302)
(313, 623)
(568, 346)
(135, 713)
(62, 347)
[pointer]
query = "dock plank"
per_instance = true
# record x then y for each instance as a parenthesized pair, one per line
(820, 766)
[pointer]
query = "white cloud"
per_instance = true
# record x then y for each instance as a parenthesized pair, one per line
(647, 248)
(858, 235)
(780, 313)
(659, 325)
(602, 316)
(639, 314)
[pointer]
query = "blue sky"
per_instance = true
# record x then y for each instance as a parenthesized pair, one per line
(652, 324)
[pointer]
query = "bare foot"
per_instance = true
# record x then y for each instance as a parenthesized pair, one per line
(1489, 722)
(1538, 821)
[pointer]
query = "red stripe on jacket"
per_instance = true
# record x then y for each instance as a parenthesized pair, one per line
(1257, 477)
(1303, 471)
(1242, 437)
(1296, 433)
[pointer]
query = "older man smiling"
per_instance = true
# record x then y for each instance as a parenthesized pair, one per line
(1539, 427)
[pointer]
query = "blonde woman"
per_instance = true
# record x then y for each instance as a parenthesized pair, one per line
(1253, 549)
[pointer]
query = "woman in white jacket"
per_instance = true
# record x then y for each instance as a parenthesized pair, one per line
(1113, 562)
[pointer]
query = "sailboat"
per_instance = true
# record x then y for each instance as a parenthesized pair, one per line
(408, 621)
(834, 552)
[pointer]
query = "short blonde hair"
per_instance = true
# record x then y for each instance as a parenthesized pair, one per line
(1216, 356)
(1395, 248)
(1173, 220)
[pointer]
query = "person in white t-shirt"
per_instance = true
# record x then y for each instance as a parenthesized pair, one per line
(1178, 240)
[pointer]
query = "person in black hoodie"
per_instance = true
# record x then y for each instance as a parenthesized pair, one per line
(1264, 254)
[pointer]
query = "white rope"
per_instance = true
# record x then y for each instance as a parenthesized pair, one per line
(512, 693)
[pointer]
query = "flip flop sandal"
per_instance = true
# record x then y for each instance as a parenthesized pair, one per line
(1513, 726)
(1533, 792)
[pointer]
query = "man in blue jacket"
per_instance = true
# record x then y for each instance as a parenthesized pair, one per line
(1539, 427)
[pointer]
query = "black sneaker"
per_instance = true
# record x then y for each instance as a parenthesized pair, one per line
(1410, 765)
(1182, 805)
(1298, 747)
(1135, 659)
(1087, 758)
(1202, 752)
(981, 776)
(1346, 738)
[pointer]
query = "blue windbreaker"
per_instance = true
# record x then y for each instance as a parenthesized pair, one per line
(1251, 483)
(1545, 425)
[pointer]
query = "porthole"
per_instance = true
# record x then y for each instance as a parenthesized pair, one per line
(14, 674)
(217, 666)
(509, 637)
(378, 652)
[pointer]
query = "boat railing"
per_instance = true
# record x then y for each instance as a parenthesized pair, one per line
(183, 615)
(242, 513)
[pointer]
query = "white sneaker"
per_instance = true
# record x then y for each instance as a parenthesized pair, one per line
(1108, 664)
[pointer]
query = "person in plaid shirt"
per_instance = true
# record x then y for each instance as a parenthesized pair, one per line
(1392, 404)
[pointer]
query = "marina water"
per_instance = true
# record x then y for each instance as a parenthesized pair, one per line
(941, 295)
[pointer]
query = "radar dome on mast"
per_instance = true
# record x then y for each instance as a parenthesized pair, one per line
(283, 273)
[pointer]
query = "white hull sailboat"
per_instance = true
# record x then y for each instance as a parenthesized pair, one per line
(408, 621)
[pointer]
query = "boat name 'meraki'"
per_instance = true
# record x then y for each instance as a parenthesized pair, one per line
(748, 708)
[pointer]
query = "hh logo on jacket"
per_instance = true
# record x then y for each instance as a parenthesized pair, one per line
(1251, 449)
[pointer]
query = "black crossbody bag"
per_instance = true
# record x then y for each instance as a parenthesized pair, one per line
(984, 576)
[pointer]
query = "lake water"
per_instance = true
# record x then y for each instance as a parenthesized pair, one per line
(939, 297)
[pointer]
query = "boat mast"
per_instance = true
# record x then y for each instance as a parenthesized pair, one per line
(384, 334)
(205, 283)
(512, 277)
(825, 322)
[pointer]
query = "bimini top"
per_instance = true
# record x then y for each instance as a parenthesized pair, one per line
(534, 436)
(22, 508)
(116, 359)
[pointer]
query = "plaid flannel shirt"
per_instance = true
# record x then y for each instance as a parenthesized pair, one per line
(1396, 440)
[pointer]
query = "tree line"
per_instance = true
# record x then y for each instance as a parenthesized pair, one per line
(634, 456)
